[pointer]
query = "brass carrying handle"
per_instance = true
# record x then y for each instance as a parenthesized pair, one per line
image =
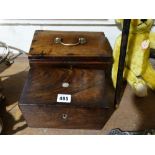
(81, 41)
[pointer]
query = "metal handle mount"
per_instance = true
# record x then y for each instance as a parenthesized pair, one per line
(59, 40)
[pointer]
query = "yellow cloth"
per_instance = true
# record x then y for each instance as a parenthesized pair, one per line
(138, 71)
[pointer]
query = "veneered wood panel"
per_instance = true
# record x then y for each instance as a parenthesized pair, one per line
(96, 45)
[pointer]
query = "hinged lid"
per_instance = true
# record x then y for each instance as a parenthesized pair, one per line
(64, 47)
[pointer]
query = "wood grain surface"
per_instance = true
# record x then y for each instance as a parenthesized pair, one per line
(87, 86)
(97, 46)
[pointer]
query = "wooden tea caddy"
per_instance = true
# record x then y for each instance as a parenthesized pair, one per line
(69, 83)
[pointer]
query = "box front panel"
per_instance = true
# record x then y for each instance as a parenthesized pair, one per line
(65, 117)
(87, 87)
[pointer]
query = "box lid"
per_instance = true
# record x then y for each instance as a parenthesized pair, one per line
(63, 46)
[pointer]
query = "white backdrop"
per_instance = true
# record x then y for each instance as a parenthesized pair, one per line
(19, 33)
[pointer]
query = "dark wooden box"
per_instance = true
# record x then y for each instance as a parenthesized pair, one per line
(68, 66)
